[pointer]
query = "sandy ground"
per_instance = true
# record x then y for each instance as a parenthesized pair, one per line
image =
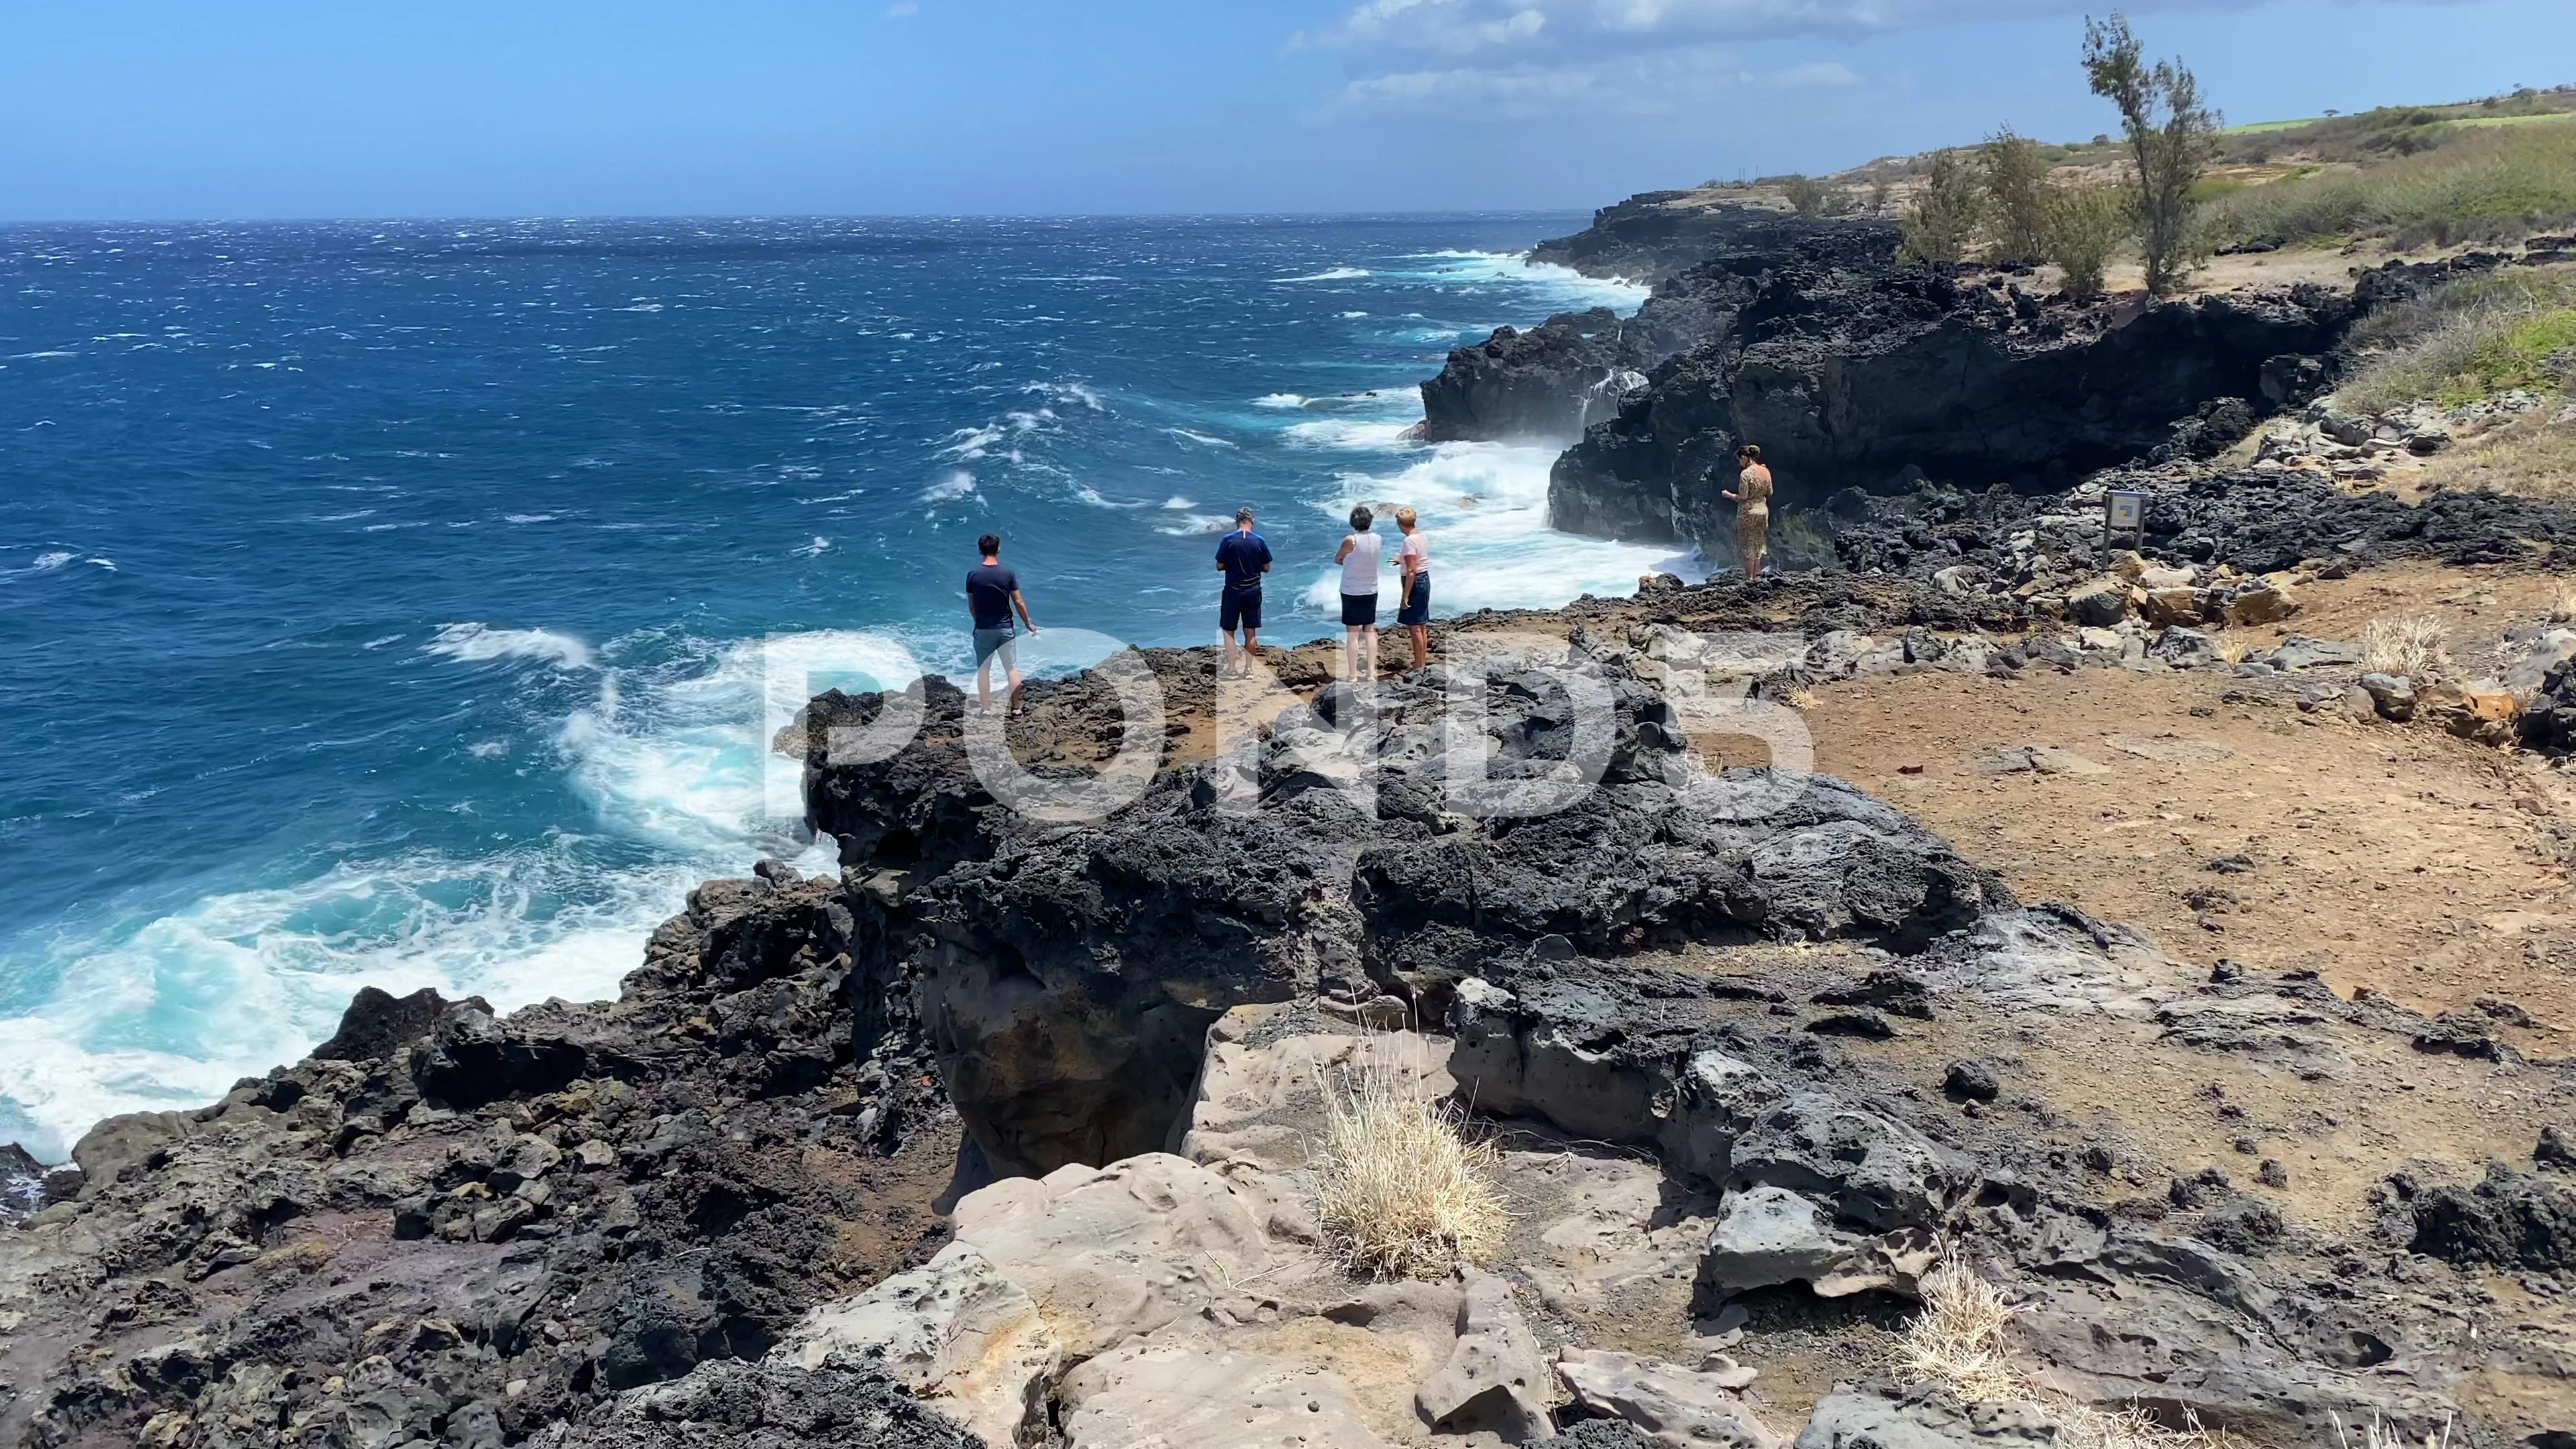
(2392, 858)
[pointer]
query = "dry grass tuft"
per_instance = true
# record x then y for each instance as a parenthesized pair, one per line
(2378, 1435)
(1403, 1191)
(1959, 1339)
(2417, 647)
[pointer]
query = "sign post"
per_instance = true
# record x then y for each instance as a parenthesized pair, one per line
(2125, 511)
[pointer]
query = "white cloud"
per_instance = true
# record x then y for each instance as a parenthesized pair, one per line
(1666, 81)
(1816, 73)
(1470, 27)
(903, 9)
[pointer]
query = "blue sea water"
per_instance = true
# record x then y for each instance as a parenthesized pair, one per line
(394, 604)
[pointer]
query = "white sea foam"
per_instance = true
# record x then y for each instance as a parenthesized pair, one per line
(1201, 438)
(956, 485)
(1353, 434)
(968, 444)
(1484, 506)
(169, 1007)
(1515, 268)
(1336, 274)
(48, 562)
(1070, 392)
(1177, 501)
(475, 643)
(527, 518)
(1279, 400)
(1195, 525)
(169, 1012)
(819, 547)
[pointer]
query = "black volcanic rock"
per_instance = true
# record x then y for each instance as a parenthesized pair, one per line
(1874, 378)
(477, 1232)
(1655, 235)
(1066, 973)
(1577, 369)
(733, 1405)
(377, 1023)
(1549, 382)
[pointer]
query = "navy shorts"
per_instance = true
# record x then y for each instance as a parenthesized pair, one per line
(1359, 610)
(1238, 609)
(1005, 642)
(1417, 602)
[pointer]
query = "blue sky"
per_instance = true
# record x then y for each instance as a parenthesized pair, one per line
(164, 109)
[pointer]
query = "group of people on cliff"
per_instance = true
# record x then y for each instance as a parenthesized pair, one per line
(993, 591)
(993, 598)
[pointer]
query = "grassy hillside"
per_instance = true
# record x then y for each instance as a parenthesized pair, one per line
(2494, 169)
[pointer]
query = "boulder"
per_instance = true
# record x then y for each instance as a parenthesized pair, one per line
(2178, 604)
(1495, 1380)
(1182, 1391)
(1924, 1417)
(2392, 695)
(1771, 1236)
(1111, 1253)
(2262, 604)
(1677, 1408)
(954, 1333)
(2488, 716)
(1871, 1170)
(2100, 603)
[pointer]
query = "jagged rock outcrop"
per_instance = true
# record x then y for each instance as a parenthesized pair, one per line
(1656, 234)
(451, 1227)
(1067, 974)
(1874, 378)
(1553, 381)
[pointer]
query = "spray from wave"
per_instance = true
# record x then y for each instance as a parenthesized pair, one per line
(479, 643)
(167, 1006)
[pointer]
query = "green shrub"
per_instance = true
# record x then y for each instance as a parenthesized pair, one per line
(2086, 224)
(2016, 180)
(2482, 184)
(2470, 340)
(1943, 218)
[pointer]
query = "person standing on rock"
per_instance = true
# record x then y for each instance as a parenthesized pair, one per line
(1752, 509)
(1414, 612)
(992, 592)
(1243, 557)
(1361, 556)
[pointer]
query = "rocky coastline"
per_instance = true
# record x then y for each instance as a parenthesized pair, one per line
(1004, 1134)
(1854, 368)
(830, 1118)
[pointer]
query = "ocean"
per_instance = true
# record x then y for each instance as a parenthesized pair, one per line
(396, 604)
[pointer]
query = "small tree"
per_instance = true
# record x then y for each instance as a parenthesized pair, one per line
(2172, 139)
(1942, 220)
(2086, 223)
(1806, 194)
(1879, 186)
(2016, 178)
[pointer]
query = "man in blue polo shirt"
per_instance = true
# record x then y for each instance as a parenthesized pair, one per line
(1244, 558)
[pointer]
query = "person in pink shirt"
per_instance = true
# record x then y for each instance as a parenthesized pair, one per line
(1414, 613)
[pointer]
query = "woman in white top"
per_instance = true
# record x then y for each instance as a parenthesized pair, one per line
(1361, 555)
(1413, 607)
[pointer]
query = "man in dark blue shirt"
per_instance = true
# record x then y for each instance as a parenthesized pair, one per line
(1243, 557)
(992, 592)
